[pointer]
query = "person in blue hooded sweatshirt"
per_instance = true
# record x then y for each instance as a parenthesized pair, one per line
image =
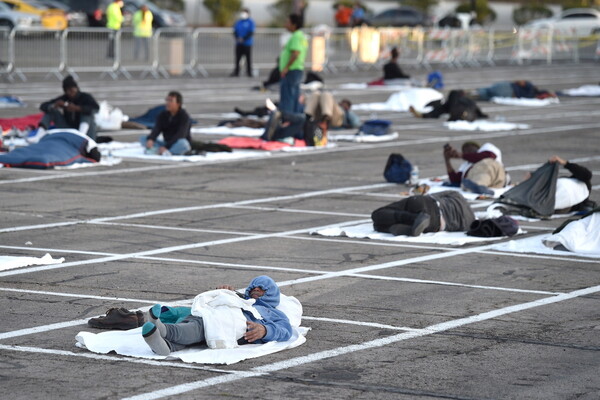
(243, 31)
(274, 325)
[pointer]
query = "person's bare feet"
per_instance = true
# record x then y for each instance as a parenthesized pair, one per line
(415, 112)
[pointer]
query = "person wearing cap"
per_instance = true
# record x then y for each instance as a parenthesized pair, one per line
(114, 19)
(142, 31)
(251, 318)
(73, 109)
(243, 31)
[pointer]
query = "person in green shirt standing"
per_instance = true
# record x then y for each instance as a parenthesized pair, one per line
(142, 30)
(291, 66)
(114, 18)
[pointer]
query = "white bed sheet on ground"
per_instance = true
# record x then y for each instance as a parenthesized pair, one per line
(10, 262)
(535, 245)
(131, 343)
(482, 125)
(401, 101)
(363, 138)
(227, 131)
(581, 236)
(514, 101)
(585, 90)
(366, 231)
(138, 152)
(393, 87)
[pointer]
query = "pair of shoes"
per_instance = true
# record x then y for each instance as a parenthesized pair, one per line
(414, 112)
(118, 318)
(420, 223)
(35, 135)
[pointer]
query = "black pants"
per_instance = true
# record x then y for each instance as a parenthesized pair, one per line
(399, 216)
(243, 51)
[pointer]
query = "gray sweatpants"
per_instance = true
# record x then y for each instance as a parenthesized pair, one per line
(187, 332)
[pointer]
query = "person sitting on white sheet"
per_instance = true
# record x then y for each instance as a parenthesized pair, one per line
(174, 123)
(481, 170)
(223, 319)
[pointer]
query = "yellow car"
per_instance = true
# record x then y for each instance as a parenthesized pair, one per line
(52, 18)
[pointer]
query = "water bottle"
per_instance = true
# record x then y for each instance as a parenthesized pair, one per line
(414, 175)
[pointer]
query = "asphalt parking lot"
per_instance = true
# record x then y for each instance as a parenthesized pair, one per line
(389, 320)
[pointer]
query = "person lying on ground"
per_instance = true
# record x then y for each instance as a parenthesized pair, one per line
(284, 127)
(519, 89)
(74, 110)
(322, 107)
(442, 211)
(481, 170)
(259, 322)
(243, 122)
(572, 192)
(174, 123)
(458, 105)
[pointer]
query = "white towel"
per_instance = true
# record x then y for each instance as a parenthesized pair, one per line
(138, 152)
(585, 90)
(364, 138)
(515, 101)
(227, 131)
(401, 101)
(535, 245)
(482, 125)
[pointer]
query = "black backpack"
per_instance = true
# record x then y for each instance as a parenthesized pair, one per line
(397, 169)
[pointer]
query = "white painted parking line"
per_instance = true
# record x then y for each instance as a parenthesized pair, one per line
(372, 344)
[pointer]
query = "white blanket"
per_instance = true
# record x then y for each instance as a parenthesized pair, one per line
(221, 312)
(406, 84)
(224, 130)
(585, 90)
(138, 152)
(9, 262)
(535, 245)
(366, 231)
(436, 186)
(364, 138)
(482, 125)
(401, 101)
(580, 237)
(514, 101)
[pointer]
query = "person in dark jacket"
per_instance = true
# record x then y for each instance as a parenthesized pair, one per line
(174, 123)
(458, 105)
(243, 31)
(73, 110)
(273, 326)
(392, 70)
(573, 192)
(519, 89)
(442, 211)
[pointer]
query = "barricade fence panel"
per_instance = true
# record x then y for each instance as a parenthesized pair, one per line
(178, 51)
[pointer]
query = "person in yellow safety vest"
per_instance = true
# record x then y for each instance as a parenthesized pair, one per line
(114, 18)
(142, 30)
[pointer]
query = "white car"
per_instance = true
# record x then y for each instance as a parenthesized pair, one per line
(10, 19)
(582, 21)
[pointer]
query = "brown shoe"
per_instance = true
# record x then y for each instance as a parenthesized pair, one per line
(118, 318)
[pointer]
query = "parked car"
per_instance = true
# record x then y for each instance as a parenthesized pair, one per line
(52, 18)
(15, 19)
(583, 21)
(403, 16)
(74, 18)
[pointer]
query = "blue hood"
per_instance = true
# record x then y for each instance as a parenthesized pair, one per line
(271, 296)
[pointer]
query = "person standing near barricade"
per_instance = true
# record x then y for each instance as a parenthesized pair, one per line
(243, 31)
(142, 30)
(114, 19)
(291, 66)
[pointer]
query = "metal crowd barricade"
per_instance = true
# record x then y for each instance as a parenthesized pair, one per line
(36, 50)
(5, 51)
(127, 58)
(339, 49)
(481, 46)
(533, 44)
(408, 41)
(173, 49)
(439, 47)
(87, 50)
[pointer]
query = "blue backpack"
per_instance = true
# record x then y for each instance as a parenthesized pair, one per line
(397, 169)
(375, 127)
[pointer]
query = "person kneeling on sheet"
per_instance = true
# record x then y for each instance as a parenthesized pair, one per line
(442, 211)
(245, 321)
(481, 170)
(322, 107)
(175, 124)
(457, 105)
(570, 190)
(74, 110)
(518, 89)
